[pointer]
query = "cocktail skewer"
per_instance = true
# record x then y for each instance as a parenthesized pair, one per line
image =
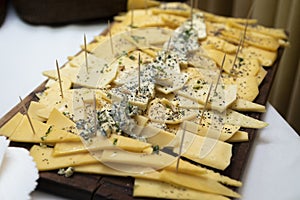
(27, 115)
(59, 80)
(180, 148)
(206, 103)
(220, 73)
(139, 73)
(85, 55)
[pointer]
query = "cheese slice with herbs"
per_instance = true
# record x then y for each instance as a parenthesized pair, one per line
(206, 151)
(45, 161)
(244, 105)
(236, 118)
(59, 120)
(44, 133)
(159, 189)
(197, 183)
(239, 136)
(10, 126)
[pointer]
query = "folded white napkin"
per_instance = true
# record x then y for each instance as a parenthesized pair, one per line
(18, 172)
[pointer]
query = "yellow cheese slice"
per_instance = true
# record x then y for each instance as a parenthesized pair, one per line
(9, 127)
(247, 86)
(159, 189)
(236, 118)
(197, 183)
(66, 72)
(265, 57)
(239, 136)
(139, 4)
(43, 133)
(162, 138)
(60, 121)
(154, 36)
(206, 151)
(221, 178)
(116, 142)
(33, 111)
(45, 161)
(244, 105)
(260, 76)
(226, 131)
(99, 168)
(157, 160)
(219, 44)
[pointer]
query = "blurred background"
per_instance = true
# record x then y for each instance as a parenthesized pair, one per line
(285, 93)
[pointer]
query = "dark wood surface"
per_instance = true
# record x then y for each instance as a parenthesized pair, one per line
(90, 186)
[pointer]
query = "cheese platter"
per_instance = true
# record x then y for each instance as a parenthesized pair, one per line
(168, 74)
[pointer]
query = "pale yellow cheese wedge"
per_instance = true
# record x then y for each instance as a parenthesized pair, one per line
(157, 160)
(114, 142)
(159, 189)
(59, 121)
(197, 183)
(260, 76)
(99, 168)
(9, 127)
(43, 133)
(244, 105)
(239, 136)
(33, 111)
(206, 151)
(45, 161)
(236, 118)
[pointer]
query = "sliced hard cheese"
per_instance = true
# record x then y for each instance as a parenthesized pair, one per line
(155, 161)
(236, 118)
(98, 74)
(116, 142)
(9, 127)
(197, 183)
(43, 133)
(158, 189)
(67, 72)
(33, 111)
(244, 105)
(260, 76)
(161, 112)
(204, 150)
(265, 57)
(60, 121)
(247, 86)
(239, 136)
(219, 44)
(44, 159)
(226, 131)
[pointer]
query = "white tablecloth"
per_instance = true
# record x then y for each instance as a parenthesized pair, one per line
(273, 170)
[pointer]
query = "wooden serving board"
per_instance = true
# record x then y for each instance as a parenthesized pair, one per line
(91, 186)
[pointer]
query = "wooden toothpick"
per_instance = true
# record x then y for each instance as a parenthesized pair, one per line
(168, 49)
(26, 113)
(243, 37)
(95, 114)
(59, 80)
(247, 23)
(132, 15)
(110, 38)
(220, 73)
(206, 103)
(139, 71)
(180, 148)
(85, 55)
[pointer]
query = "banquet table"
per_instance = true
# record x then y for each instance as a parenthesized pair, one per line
(272, 171)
